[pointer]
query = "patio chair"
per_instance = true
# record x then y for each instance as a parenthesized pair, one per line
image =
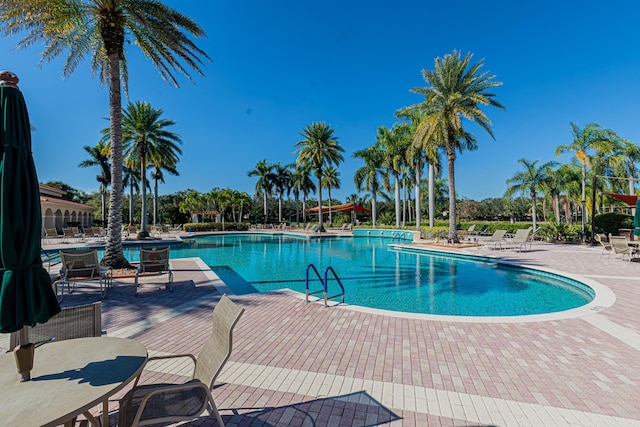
(68, 234)
(520, 239)
(82, 264)
(51, 234)
(79, 321)
(468, 231)
(605, 243)
(620, 246)
(77, 233)
(497, 238)
(154, 261)
(159, 403)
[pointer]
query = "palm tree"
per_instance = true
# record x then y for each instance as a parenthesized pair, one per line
(282, 183)
(319, 149)
(331, 179)
(368, 177)
(531, 179)
(395, 147)
(129, 178)
(146, 138)
(266, 178)
(99, 157)
(585, 141)
(301, 182)
(100, 29)
(457, 90)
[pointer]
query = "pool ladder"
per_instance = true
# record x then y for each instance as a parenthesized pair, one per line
(400, 236)
(324, 282)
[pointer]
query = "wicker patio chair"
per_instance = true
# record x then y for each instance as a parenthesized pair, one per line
(80, 321)
(154, 261)
(83, 264)
(159, 403)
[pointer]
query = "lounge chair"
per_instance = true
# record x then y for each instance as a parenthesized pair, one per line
(159, 403)
(68, 234)
(520, 239)
(469, 230)
(605, 243)
(77, 233)
(155, 261)
(480, 232)
(72, 322)
(83, 264)
(497, 238)
(620, 247)
(51, 234)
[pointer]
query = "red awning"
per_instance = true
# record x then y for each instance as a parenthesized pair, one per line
(627, 198)
(347, 207)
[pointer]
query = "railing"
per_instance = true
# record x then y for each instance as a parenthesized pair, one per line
(325, 283)
(400, 236)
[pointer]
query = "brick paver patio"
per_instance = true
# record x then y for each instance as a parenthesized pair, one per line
(299, 364)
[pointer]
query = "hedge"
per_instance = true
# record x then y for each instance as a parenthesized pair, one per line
(216, 226)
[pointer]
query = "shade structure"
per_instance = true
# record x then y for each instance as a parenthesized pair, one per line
(636, 219)
(629, 199)
(26, 296)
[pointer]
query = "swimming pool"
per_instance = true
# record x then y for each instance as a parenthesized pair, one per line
(377, 276)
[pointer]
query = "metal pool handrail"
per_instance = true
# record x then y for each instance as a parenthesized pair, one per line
(324, 282)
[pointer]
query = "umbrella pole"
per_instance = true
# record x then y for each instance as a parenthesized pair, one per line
(24, 355)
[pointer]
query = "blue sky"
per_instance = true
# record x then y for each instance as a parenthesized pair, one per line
(277, 66)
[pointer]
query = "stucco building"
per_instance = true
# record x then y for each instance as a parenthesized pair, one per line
(58, 212)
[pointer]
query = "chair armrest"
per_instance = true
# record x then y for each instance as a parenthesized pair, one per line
(170, 356)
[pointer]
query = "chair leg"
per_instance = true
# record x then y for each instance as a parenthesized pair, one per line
(216, 414)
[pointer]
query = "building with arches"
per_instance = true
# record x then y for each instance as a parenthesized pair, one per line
(59, 213)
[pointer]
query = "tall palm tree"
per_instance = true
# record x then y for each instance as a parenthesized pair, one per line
(369, 176)
(301, 182)
(331, 179)
(282, 184)
(395, 147)
(146, 138)
(319, 149)
(457, 90)
(99, 157)
(585, 141)
(100, 29)
(132, 180)
(531, 179)
(265, 182)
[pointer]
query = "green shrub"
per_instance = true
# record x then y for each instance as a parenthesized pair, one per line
(340, 219)
(611, 222)
(216, 226)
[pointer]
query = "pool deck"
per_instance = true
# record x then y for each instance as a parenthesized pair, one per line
(300, 364)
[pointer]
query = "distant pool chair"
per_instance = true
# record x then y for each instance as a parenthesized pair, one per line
(497, 239)
(604, 242)
(154, 261)
(620, 247)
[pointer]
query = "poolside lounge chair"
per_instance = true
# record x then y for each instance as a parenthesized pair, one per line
(497, 239)
(67, 234)
(469, 230)
(51, 234)
(520, 239)
(155, 261)
(605, 243)
(159, 403)
(82, 264)
(621, 247)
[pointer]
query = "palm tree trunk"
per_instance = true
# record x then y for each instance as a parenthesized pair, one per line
(432, 195)
(131, 203)
(280, 207)
(103, 200)
(304, 208)
(143, 179)
(330, 215)
(114, 255)
(155, 201)
(373, 208)
(404, 200)
(266, 214)
(453, 232)
(297, 197)
(556, 207)
(416, 186)
(320, 225)
(396, 182)
(533, 208)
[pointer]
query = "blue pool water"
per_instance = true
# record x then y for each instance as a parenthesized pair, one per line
(377, 276)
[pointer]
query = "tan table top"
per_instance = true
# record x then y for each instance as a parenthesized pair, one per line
(68, 378)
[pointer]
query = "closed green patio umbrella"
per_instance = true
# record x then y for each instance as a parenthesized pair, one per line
(636, 219)
(26, 296)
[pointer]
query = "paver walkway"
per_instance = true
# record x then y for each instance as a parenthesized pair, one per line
(299, 364)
